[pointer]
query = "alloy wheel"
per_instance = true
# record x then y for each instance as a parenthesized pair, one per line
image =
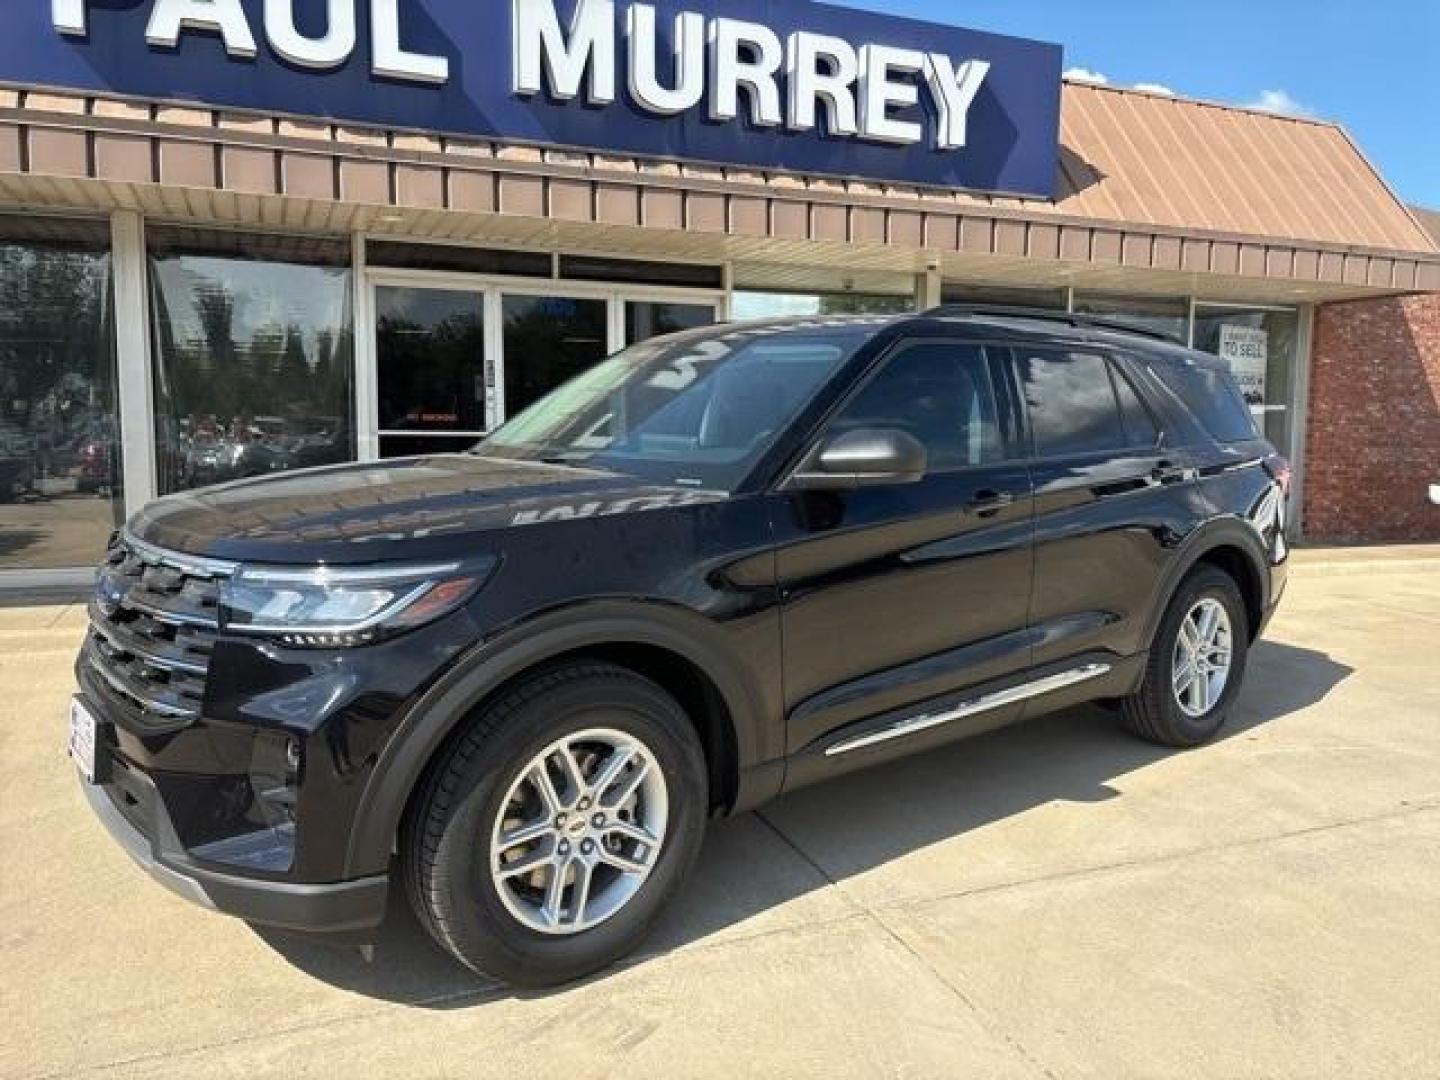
(1200, 668)
(579, 831)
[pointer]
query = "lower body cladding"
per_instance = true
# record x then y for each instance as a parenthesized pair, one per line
(973, 711)
(336, 907)
(230, 842)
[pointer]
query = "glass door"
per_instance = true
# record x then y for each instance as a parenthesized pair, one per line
(453, 355)
(434, 381)
(548, 340)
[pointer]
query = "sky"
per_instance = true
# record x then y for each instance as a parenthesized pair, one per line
(1371, 65)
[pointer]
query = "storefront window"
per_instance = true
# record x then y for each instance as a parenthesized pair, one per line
(768, 305)
(253, 355)
(1164, 315)
(1260, 346)
(60, 470)
(645, 320)
(1003, 296)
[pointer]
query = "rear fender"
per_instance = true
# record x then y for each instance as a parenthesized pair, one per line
(1222, 532)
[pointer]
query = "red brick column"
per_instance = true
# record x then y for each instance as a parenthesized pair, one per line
(1373, 444)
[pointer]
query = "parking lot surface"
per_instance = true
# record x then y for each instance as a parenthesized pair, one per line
(1055, 900)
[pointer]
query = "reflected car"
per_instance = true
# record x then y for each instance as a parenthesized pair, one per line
(95, 462)
(17, 461)
(515, 683)
(216, 461)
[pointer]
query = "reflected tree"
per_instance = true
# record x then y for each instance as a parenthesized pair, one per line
(254, 375)
(56, 360)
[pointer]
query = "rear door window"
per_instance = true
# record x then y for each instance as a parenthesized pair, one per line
(1071, 402)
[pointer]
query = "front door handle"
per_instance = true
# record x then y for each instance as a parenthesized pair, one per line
(988, 502)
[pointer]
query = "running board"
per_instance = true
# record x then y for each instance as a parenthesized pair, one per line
(910, 725)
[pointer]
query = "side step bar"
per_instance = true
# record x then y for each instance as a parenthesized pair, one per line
(910, 725)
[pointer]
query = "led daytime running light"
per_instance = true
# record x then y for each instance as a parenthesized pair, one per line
(345, 606)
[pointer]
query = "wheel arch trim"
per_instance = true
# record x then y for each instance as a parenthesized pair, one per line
(1214, 535)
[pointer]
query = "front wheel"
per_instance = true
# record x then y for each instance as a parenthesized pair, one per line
(1196, 663)
(559, 823)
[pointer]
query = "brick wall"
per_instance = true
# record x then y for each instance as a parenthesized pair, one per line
(1373, 445)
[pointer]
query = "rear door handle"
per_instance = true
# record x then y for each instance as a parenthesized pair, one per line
(988, 502)
(1167, 472)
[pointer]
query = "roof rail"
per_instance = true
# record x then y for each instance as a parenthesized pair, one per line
(1070, 318)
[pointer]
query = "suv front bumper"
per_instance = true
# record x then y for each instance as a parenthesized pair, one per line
(333, 907)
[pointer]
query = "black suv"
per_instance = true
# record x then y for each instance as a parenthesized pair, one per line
(716, 567)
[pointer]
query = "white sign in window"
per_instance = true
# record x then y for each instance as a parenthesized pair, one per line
(1247, 350)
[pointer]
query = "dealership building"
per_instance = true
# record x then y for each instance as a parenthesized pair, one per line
(237, 237)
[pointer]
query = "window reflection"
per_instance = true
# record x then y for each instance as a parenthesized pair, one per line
(1002, 296)
(548, 341)
(1140, 427)
(771, 305)
(1071, 402)
(430, 358)
(645, 320)
(59, 448)
(253, 356)
(938, 394)
(1165, 315)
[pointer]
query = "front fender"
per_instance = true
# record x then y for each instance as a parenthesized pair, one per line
(478, 673)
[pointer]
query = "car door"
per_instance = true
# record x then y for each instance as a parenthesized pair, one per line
(897, 596)
(1109, 498)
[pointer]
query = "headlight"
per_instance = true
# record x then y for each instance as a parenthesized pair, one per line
(326, 606)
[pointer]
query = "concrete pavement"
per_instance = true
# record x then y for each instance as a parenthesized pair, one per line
(1057, 900)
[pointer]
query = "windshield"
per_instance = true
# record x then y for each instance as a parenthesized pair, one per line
(697, 409)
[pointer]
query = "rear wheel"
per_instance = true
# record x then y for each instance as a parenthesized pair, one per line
(560, 822)
(1196, 663)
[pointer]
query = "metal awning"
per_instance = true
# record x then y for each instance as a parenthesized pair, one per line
(1157, 195)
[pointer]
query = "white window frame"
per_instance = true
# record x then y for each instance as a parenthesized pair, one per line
(135, 379)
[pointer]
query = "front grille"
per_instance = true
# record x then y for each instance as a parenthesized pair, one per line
(152, 627)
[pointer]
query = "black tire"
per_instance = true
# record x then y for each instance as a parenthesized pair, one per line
(1152, 711)
(443, 847)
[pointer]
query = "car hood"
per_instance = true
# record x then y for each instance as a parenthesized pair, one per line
(425, 507)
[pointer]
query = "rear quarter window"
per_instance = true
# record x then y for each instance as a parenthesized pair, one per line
(1211, 395)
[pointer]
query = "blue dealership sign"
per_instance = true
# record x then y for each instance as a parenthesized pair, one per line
(769, 84)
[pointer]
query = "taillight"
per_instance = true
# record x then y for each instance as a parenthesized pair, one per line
(1279, 469)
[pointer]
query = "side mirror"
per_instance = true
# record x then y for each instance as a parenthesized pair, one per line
(865, 457)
